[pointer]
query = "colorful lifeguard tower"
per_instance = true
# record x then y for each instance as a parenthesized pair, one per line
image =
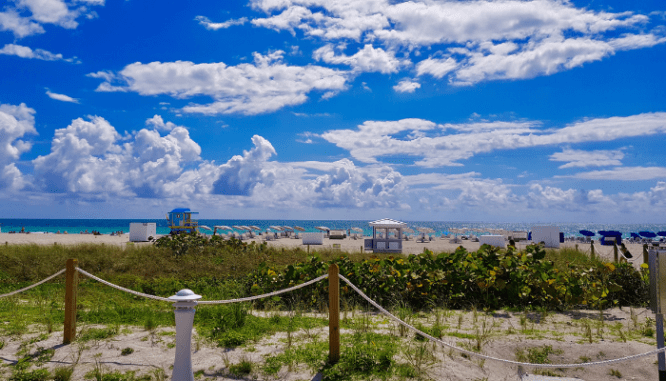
(180, 220)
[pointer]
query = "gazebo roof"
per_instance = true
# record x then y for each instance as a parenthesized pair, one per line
(387, 223)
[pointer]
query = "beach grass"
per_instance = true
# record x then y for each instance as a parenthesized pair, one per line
(374, 348)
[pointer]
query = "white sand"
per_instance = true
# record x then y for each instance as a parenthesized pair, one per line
(565, 332)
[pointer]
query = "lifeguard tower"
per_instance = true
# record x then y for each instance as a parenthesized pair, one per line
(180, 220)
(385, 244)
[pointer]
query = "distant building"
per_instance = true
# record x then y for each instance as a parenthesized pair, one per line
(180, 220)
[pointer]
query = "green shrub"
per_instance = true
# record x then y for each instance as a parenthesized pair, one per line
(635, 285)
(34, 375)
(488, 278)
(63, 373)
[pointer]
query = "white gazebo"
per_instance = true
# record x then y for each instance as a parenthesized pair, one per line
(385, 244)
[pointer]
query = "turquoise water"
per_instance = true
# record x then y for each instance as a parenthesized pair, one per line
(106, 226)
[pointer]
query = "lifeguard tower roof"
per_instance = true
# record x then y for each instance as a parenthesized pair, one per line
(387, 223)
(183, 210)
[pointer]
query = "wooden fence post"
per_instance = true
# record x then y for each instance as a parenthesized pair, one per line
(333, 313)
(71, 282)
(592, 249)
(615, 256)
(645, 253)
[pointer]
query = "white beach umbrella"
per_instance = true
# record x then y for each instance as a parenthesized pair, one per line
(205, 227)
(254, 227)
(278, 228)
(358, 230)
(322, 228)
(300, 229)
(288, 228)
(222, 227)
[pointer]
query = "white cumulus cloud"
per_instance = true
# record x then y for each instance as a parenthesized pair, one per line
(219, 25)
(476, 41)
(580, 158)
(27, 17)
(61, 97)
(264, 86)
(15, 123)
(27, 52)
(623, 174)
(367, 59)
(446, 144)
(89, 159)
(406, 86)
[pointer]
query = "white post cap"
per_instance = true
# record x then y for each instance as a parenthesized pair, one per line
(185, 295)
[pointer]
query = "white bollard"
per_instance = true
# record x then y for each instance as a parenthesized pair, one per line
(185, 301)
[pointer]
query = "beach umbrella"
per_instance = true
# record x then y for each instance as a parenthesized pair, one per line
(408, 230)
(647, 234)
(288, 228)
(358, 230)
(300, 229)
(205, 227)
(661, 234)
(322, 228)
(587, 233)
(278, 228)
(238, 227)
(602, 232)
(254, 227)
(222, 227)
(634, 235)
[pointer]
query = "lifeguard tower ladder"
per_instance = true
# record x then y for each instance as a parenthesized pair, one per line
(180, 220)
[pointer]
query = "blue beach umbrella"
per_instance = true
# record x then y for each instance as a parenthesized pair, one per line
(587, 233)
(662, 234)
(647, 234)
(634, 235)
(602, 232)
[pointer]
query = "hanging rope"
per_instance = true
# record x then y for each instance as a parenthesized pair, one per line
(250, 298)
(137, 293)
(470, 353)
(238, 300)
(34, 285)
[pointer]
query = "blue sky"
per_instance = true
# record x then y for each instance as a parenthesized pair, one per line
(516, 111)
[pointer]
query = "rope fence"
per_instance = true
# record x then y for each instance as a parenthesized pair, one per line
(485, 357)
(137, 293)
(333, 276)
(33, 285)
(274, 293)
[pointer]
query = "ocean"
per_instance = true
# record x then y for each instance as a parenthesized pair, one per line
(107, 226)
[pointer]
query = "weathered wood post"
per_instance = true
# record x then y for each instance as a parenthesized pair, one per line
(71, 283)
(333, 313)
(645, 253)
(615, 257)
(592, 249)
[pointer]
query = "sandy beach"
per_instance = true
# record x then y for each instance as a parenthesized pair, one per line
(348, 245)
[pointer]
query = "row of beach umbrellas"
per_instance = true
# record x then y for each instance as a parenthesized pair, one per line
(645, 234)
